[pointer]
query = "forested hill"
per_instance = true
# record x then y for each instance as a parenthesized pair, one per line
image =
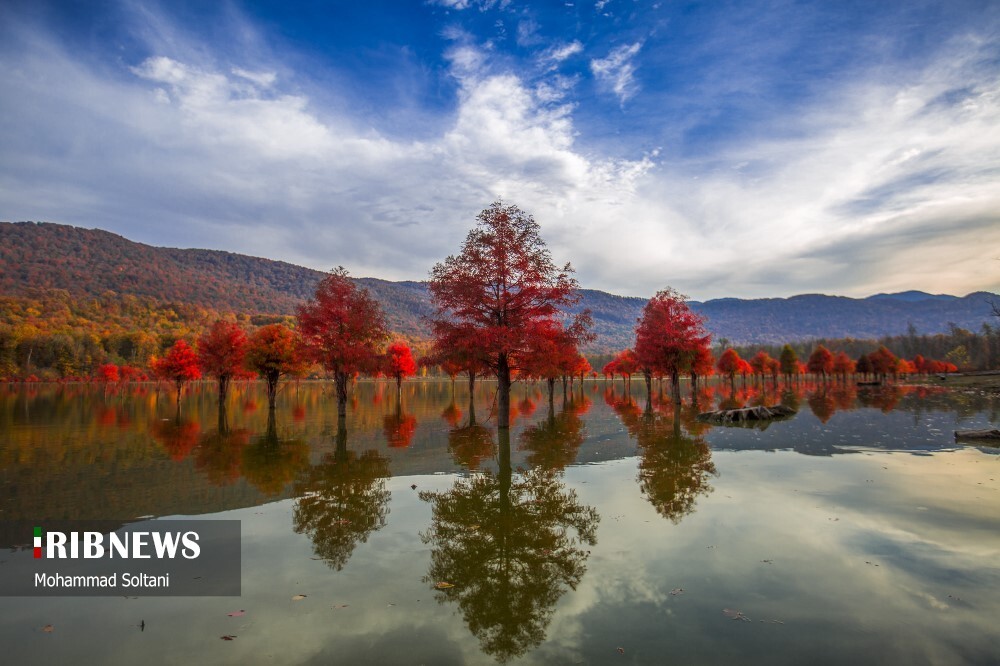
(37, 259)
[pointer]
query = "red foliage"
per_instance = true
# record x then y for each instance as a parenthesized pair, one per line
(179, 365)
(399, 361)
(274, 351)
(491, 296)
(842, 364)
(108, 373)
(820, 361)
(551, 351)
(343, 326)
(669, 335)
(729, 363)
(222, 351)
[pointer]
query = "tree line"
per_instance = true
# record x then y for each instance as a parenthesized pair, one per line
(501, 309)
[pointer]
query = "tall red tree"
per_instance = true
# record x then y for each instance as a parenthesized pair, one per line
(344, 327)
(221, 352)
(399, 363)
(179, 365)
(274, 351)
(668, 337)
(493, 293)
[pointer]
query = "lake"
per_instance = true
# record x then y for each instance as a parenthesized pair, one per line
(596, 531)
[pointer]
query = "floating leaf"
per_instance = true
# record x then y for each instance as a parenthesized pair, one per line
(48, 628)
(443, 586)
(621, 650)
(735, 614)
(676, 591)
(413, 487)
(298, 597)
(228, 637)
(239, 613)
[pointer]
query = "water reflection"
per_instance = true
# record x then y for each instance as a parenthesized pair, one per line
(271, 463)
(342, 500)
(674, 465)
(505, 548)
(473, 443)
(553, 443)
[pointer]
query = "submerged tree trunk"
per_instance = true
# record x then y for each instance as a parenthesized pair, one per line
(223, 388)
(340, 379)
(503, 393)
(271, 381)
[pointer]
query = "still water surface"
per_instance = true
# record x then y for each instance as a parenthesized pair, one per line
(597, 532)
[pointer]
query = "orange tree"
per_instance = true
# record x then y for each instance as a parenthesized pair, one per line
(344, 328)
(273, 352)
(496, 289)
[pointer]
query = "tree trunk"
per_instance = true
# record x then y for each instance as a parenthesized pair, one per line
(223, 388)
(649, 387)
(503, 393)
(340, 379)
(271, 380)
(675, 386)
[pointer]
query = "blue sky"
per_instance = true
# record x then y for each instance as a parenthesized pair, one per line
(748, 149)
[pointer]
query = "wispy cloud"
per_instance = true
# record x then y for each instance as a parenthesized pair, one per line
(617, 71)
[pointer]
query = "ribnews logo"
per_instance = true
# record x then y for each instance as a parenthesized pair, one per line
(134, 545)
(109, 558)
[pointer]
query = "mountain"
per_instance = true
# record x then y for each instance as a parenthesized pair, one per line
(93, 264)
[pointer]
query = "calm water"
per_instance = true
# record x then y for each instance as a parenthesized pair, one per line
(599, 532)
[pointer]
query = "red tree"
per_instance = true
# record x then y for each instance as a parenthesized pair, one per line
(221, 352)
(344, 327)
(702, 366)
(273, 352)
(843, 365)
(551, 353)
(820, 362)
(108, 373)
(729, 364)
(668, 338)
(399, 363)
(883, 362)
(761, 364)
(493, 293)
(179, 365)
(626, 364)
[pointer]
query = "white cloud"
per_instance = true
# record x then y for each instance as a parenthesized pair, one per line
(883, 185)
(617, 71)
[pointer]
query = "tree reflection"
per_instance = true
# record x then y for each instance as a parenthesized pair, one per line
(399, 428)
(220, 451)
(553, 443)
(342, 500)
(510, 546)
(674, 466)
(178, 437)
(269, 463)
(471, 444)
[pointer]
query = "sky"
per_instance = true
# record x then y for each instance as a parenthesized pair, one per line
(725, 149)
